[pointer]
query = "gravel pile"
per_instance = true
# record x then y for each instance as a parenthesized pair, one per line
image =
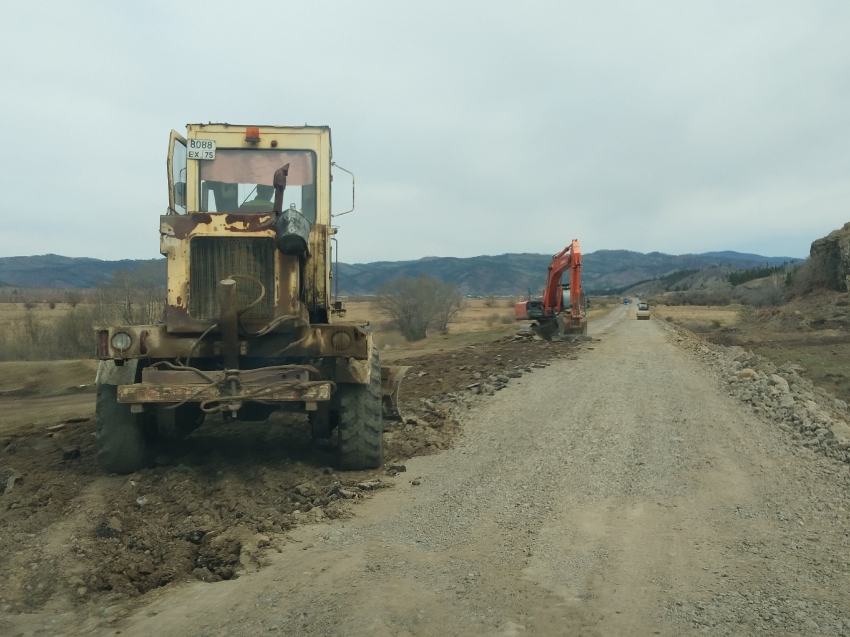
(816, 418)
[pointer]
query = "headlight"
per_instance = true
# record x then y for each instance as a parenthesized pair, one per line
(121, 341)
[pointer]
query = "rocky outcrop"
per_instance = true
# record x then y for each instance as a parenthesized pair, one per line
(830, 259)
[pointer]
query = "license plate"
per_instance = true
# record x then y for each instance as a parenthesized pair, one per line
(201, 149)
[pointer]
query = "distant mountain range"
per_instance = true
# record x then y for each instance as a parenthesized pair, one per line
(504, 274)
(509, 274)
(54, 271)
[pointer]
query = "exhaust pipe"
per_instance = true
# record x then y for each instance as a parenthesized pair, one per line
(292, 229)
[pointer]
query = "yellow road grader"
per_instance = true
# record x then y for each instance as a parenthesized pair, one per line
(250, 324)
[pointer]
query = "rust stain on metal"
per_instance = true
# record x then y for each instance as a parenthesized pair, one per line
(183, 225)
(248, 222)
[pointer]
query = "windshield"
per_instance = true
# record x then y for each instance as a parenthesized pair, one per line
(241, 180)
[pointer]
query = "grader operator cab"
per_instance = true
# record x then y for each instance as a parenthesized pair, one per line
(250, 325)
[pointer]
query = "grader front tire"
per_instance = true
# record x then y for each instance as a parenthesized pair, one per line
(361, 425)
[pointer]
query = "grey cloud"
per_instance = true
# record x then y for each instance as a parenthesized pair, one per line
(473, 127)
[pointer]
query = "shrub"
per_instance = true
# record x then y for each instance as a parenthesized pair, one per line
(699, 297)
(695, 326)
(415, 305)
(810, 276)
(73, 297)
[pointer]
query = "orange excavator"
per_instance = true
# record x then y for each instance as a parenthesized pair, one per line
(562, 310)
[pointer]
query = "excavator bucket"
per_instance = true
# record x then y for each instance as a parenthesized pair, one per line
(560, 328)
(391, 377)
(547, 330)
(571, 329)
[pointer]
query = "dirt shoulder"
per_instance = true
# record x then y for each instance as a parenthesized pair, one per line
(812, 332)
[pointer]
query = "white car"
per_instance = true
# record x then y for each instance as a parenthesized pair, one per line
(643, 311)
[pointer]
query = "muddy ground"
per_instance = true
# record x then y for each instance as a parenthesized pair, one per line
(216, 504)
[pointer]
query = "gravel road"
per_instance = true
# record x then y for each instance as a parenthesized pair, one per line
(621, 493)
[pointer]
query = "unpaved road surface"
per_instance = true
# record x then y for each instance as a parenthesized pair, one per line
(620, 493)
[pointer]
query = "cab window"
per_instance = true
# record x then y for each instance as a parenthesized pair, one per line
(241, 180)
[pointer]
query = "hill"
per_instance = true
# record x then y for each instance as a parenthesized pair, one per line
(509, 274)
(55, 271)
(505, 274)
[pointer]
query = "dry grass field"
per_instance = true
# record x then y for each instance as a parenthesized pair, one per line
(475, 323)
(699, 317)
(811, 331)
(14, 313)
(479, 321)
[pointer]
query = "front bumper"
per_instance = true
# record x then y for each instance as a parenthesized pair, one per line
(155, 341)
(227, 390)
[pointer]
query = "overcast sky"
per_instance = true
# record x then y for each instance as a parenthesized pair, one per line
(473, 127)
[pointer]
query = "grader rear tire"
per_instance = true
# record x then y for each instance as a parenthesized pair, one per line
(122, 444)
(361, 426)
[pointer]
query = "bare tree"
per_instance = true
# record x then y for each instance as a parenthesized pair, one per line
(74, 334)
(150, 283)
(415, 305)
(775, 292)
(449, 302)
(73, 297)
(132, 298)
(490, 301)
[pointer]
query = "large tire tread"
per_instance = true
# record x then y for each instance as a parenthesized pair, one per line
(361, 425)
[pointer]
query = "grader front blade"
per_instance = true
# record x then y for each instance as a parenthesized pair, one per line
(391, 377)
